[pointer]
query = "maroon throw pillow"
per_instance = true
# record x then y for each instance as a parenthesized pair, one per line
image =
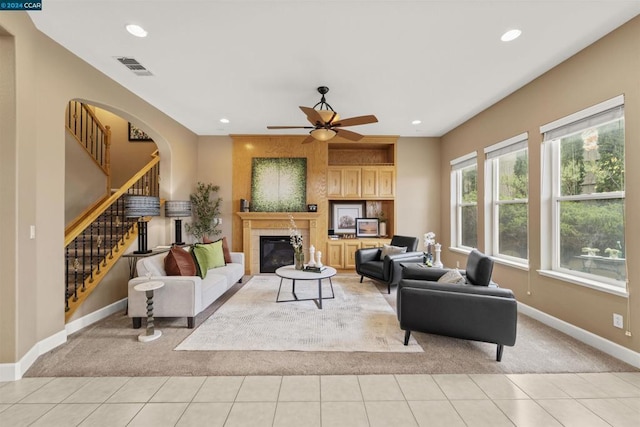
(225, 248)
(179, 262)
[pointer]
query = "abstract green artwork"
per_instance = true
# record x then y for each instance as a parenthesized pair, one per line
(279, 184)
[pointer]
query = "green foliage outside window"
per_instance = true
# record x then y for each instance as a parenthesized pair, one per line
(513, 218)
(591, 162)
(469, 223)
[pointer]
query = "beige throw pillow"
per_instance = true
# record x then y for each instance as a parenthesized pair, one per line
(452, 276)
(391, 250)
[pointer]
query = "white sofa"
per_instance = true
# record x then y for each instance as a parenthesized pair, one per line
(181, 296)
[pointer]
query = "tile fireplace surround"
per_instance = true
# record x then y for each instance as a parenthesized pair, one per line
(256, 224)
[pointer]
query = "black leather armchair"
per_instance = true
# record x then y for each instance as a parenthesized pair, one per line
(387, 270)
(478, 310)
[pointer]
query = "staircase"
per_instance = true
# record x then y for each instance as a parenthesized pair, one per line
(87, 257)
(94, 245)
(99, 237)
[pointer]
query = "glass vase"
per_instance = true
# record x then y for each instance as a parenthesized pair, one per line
(298, 258)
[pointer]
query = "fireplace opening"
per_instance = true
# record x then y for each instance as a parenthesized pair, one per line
(275, 251)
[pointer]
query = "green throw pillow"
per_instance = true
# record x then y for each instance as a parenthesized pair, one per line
(207, 256)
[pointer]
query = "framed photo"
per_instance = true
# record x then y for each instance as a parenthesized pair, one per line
(137, 134)
(367, 227)
(344, 216)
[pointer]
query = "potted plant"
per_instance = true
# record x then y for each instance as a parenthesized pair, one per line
(205, 210)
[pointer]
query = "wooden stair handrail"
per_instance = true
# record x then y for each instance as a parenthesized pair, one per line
(89, 219)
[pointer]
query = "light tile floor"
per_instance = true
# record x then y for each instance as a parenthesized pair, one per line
(601, 399)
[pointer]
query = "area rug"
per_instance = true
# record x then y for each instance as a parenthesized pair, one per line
(358, 318)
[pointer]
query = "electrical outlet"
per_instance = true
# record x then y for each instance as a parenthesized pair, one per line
(618, 320)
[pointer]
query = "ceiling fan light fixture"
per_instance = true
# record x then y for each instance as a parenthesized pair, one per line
(328, 114)
(323, 134)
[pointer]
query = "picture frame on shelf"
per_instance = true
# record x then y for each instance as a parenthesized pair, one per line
(138, 135)
(367, 227)
(344, 216)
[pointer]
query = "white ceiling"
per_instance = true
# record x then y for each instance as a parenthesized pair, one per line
(254, 62)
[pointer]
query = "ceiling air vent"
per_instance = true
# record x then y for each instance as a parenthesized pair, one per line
(132, 64)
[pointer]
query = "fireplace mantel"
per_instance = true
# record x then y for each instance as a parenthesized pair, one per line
(271, 222)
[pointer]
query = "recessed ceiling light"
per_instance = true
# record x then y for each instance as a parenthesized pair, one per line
(223, 120)
(136, 30)
(511, 35)
(416, 122)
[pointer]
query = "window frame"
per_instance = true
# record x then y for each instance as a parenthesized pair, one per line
(457, 166)
(493, 154)
(551, 198)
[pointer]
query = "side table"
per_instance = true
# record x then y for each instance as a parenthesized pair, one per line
(148, 287)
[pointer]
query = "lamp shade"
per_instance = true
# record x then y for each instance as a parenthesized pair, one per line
(323, 134)
(139, 206)
(177, 208)
(328, 114)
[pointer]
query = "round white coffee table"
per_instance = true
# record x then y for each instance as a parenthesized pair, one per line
(289, 272)
(148, 287)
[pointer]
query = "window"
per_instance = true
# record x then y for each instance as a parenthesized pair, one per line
(507, 172)
(464, 202)
(585, 195)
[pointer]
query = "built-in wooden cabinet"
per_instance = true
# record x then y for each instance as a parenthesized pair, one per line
(362, 172)
(378, 182)
(371, 182)
(342, 253)
(343, 182)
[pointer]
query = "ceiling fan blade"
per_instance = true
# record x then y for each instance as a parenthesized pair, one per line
(290, 127)
(354, 121)
(308, 139)
(347, 134)
(313, 116)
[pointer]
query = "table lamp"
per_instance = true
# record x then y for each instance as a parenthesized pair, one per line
(141, 207)
(177, 209)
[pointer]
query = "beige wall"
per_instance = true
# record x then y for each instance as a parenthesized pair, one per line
(418, 187)
(8, 211)
(127, 158)
(215, 166)
(85, 181)
(608, 68)
(47, 76)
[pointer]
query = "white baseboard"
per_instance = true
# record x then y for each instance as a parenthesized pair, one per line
(96, 316)
(15, 371)
(612, 349)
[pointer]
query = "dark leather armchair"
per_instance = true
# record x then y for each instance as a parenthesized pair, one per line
(478, 310)
(387, 270)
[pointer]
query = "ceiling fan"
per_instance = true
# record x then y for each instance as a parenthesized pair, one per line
(327, 123)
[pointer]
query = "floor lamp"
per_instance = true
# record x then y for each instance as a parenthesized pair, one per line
(141, 207)
(177, 209)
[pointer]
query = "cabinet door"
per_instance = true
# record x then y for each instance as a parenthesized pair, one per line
(386, 182)
(366, 244)
(350, 249)
(369, 182)
(335, 255)
(351, 182)
(334, 182)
